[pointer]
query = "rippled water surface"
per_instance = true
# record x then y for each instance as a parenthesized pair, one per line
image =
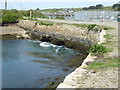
(28, 63)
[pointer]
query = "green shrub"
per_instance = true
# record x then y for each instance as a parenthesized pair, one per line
(59, 18)
(10, 16)
(105, 28)
(0, 22)
(98, 50)
(91, 26)
(45, 17)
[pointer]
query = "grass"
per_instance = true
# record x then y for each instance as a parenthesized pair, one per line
(88, 26)
(80, 25)
(108, 36)
(43, 22)
(98, 50)
(105, 27)
(109, 64)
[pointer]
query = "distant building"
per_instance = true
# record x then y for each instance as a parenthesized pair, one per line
(96, 15)
(67, 14)
(68, 10)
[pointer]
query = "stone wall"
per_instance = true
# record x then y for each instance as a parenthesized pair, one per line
(69, 35)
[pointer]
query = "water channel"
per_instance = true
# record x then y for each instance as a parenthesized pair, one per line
(36, 64)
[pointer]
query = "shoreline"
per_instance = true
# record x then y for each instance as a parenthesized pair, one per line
(79, 70)
(68, 80)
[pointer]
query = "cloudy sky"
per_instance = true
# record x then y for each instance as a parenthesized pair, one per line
(45, 4)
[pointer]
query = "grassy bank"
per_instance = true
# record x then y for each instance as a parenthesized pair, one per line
(108, 63)
(109, 60)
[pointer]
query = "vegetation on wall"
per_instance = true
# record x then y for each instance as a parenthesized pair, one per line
(91, 26)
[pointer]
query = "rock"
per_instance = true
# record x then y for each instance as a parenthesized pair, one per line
(51, 83)
(97, 28)
(65, 69)
(62, 85)
(93, 71)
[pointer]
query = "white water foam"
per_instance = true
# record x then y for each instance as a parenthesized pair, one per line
(57, 50)
(34, 41)
(46, 44)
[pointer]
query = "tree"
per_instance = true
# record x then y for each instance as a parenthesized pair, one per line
(91, 7)
(116, 6)
(99, 6)
(37, 9)
(84, 8)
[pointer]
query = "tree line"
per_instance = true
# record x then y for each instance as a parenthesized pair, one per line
(13, 15)
(114, 7)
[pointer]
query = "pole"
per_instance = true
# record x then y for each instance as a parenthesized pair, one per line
(5, 4)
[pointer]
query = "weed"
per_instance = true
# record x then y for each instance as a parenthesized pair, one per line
(51, 83)
(107, 36)
(91, 26)
(98, 50)
(106, 27)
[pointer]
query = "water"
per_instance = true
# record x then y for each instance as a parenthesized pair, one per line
(28, 63)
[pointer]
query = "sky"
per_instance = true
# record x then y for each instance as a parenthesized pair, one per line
(48, 4)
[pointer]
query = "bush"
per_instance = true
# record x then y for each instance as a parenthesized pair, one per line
(98, 50)
(91, 26)
(9, 17)
(0, 22)
(105, 28)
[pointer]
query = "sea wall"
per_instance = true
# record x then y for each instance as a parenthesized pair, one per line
(69, 35)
